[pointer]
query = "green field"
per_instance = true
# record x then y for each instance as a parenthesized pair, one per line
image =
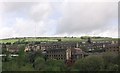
(53, 39)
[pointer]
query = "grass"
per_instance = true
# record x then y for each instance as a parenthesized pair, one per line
(52, 39)
(8, 40)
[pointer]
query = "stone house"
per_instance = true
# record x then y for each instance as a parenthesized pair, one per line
(112, 48)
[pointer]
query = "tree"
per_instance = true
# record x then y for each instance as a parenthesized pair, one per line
(110, 61)
(6, 58)
(118, 61)
(49, 65)
(59, 40)
(22, 57)
(110, 57)
(33, 55)
(55, 65)
(10, 66)
(85, 37)
(39, 63)
(8, 43)
(82, 37)
(89, 40)
(72, 37)
(90, 63)
(27, 67)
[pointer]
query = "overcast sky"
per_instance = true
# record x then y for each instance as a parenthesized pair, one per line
(59, 18)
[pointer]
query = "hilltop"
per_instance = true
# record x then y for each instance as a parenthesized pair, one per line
(54, 39)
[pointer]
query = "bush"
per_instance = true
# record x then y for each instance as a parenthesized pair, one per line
(90, 63)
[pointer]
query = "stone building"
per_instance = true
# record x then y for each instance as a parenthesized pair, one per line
(31, 47)
(77, 53)
(67, 50)
(112, 48)
(13, 49)
(58, 54)
(95, 46)
(65, 54)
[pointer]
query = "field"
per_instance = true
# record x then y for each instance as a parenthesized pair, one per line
(52, 39)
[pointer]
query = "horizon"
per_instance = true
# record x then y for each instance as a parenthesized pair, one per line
(57, 37)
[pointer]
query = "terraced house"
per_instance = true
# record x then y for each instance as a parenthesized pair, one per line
(71, 50)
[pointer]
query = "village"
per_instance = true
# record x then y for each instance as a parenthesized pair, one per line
(68, 53)
(68, 50)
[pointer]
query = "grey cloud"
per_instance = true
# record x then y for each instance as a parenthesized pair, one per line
(40, 11)
(86, 17)
(77, 18)
(37, 18)
(17, 6)
(36, 11)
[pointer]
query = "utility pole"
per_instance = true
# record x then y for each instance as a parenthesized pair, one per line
(35, 33)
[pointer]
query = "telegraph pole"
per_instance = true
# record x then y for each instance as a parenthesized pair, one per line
(35, 31)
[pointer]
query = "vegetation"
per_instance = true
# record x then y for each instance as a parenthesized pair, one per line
(105, 62)
(90, 63)
(53, 39)
(32, 61)
(35, 61)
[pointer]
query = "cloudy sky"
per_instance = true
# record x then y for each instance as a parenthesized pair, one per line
(59, 18)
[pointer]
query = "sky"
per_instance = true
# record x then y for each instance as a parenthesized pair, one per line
(54, 18)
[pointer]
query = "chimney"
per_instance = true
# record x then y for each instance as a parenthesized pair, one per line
(77, 45)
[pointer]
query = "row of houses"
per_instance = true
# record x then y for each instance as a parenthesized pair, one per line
(74, 50)
(68, 50)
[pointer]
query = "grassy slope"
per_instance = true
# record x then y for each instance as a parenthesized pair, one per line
(53, 39)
